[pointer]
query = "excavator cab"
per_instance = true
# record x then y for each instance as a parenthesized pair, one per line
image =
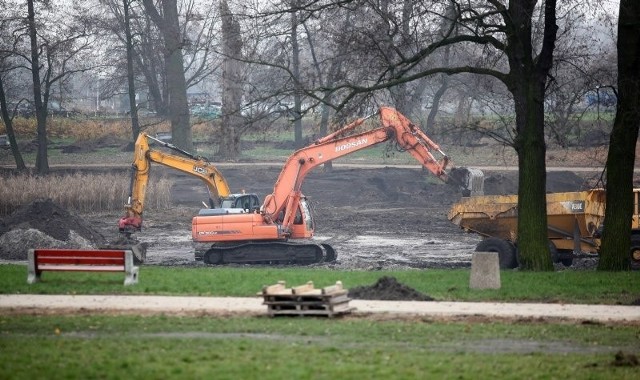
(303, 225)
(234, 204)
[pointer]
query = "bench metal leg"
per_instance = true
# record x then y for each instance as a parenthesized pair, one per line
(131, 271)
(131, 276)
(32, 275)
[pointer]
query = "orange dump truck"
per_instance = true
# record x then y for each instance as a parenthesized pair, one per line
(573, 218)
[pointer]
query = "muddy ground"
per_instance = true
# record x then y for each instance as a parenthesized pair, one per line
(383, 218)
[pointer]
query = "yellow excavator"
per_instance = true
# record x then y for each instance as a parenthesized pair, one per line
(221, 200)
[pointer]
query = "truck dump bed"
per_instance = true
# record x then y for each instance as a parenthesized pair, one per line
(572, 217)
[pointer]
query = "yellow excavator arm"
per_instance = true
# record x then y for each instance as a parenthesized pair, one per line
(190, 164)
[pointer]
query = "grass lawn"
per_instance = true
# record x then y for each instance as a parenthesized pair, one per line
(141, 347)
(118, 347)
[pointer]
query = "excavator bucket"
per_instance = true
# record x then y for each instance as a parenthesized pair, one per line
(470, 180)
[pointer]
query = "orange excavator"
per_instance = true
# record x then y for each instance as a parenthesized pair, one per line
(281, 230)
(220, 197)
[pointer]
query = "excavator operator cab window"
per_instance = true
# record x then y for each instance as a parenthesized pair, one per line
(303, 215)
(228, 203)
(247, 202)
(298, 218)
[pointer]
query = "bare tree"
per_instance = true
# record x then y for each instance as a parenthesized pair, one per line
(168, 23)
(55, 54)
(506, 37)
(131, 84)
(584, 62)
(617, 240)
(42, 162)
(328, 72)
(229, 146)
(8, 122)
(7, 24)
(295, 72)
(122, 14)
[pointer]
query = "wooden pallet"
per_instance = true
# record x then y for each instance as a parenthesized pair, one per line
(306, 300)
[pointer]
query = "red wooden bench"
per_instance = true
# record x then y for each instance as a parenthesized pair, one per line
(89, 260)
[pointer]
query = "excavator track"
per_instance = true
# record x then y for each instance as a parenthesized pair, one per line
(269, 253)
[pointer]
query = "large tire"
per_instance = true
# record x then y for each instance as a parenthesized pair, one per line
(563, 257)
(634, 254)
(505, 249)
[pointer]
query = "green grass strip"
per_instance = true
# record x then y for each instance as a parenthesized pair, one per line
(91, 347)
(585, 287)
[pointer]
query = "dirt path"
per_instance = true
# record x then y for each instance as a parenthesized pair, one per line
(224, 306)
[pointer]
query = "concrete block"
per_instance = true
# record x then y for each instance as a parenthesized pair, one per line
(485, 271)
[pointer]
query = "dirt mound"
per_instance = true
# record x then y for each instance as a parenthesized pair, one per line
(110, 141)
(387, 289)
(79, 147)
(88, 146)
(500, 184)
(564, 181)
(42, 223)
(557, 182)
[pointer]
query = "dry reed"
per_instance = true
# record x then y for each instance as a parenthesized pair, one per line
(86, 129)
(79, 192)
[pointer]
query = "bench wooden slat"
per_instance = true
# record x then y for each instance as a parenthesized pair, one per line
(79, 260)
(82, 268)
(79, 253)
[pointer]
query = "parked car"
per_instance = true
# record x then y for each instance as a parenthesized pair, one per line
(211, 111)
(604, 97)
(4, 142)
(164, 136)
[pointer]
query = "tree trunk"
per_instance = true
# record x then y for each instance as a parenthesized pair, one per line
(10, 132)
(616, 240)
(295, 70)
(176, 83)
(133, 107)
(435, 104)
(527, 79)
(533, 243)
(332, 76)
(324, 120)
(169, 26)
(229, 139)
(42, 161)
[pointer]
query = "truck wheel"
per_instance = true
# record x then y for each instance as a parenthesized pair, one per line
(563, 257)
(634, 256)
(506, 251)
(567, 262)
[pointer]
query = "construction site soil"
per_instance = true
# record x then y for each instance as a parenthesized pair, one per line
(375, 218)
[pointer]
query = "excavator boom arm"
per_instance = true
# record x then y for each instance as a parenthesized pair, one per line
(192, 165)
(287, 190)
